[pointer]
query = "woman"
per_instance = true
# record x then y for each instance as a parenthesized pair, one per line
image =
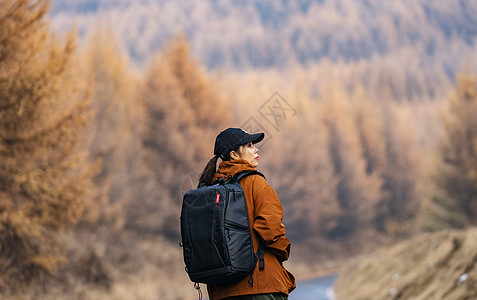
(238, 153)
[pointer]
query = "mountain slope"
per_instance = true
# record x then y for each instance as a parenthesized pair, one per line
(440, 265)
(263, 34)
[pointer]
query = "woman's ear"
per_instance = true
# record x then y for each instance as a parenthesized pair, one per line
(234, 155)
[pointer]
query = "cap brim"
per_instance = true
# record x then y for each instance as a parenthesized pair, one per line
(256, 138)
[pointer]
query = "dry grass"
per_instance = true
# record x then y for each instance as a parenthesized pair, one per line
(130, 267)
(154, 271)
(441, 265)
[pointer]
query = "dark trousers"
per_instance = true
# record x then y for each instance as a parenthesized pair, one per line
(276, 296)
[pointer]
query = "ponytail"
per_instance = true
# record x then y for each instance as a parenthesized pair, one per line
(207, 174)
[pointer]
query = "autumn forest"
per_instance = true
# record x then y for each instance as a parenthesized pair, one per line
(369, 111)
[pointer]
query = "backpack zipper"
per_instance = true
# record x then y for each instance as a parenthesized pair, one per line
(234, 225)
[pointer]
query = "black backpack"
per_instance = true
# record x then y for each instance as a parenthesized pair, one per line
(216, 237)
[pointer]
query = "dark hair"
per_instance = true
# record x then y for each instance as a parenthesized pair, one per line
(207, 174)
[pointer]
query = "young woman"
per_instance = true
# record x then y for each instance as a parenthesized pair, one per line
(235, 147)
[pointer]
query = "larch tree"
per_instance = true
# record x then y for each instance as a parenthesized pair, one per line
(389, 148)
(399, 207)
(184, 112)
(114, 133)
(299, 168)
(357, 189)
(44, 181)
(455, 175)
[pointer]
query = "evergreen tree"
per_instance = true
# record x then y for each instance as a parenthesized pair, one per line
(43, 178)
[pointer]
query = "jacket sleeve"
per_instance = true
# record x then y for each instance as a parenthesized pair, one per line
(268, 220)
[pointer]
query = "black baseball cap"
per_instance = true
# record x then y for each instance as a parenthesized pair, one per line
(232, 138)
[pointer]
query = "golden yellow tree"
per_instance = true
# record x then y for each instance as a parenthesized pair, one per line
(400, 205)
(359, 186)
(114, 133)
(43, 178)
(297, 163)
(455, 178)
(184, 112)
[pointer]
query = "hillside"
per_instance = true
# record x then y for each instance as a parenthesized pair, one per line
(103, 131)
(440, 265)
(269, 34)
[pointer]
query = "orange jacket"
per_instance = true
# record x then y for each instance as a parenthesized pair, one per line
(265, 216)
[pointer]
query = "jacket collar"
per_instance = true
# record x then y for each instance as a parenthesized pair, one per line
(230, 168)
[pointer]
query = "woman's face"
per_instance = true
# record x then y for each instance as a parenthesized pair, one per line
(247, 152)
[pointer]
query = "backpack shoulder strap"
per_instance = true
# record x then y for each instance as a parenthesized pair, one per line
(243, 174)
